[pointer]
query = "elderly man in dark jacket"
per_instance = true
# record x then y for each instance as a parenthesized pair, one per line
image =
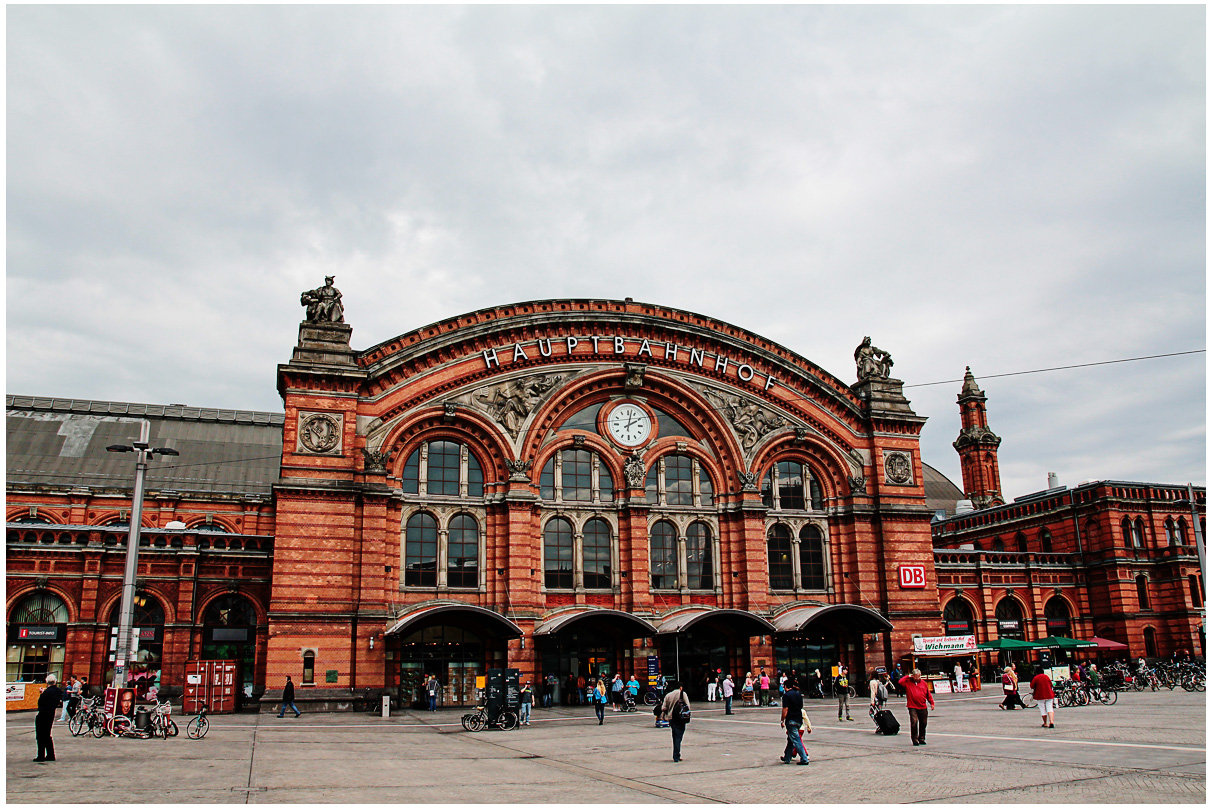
(48, 705)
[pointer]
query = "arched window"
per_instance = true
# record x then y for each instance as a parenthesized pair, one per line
(1150, 642)
(791, 486)
(663, 556)
(463, 552)
(1127, 528)
(209, 527)
(706, 490)
(443, 468)
(40, 608)
(1045, 541)
(1171, 533)
(1180, 531)
(1138, 533)
(1020, 542)
(421, 550)
(812, 557)
(679, 480)
(1142, 592)
(1056, 614)
(1009, 619)
(596, 573)
(778, 556)
(957, 618)
(573, 472)
(676, 480)
(557, 554)
(148, 619)
(699, 570)
(229, 632)
(998, 545)
(309, 667)
(1197, 595)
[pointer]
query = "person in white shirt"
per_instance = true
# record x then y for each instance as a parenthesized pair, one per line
(728, 688)
(959, 677)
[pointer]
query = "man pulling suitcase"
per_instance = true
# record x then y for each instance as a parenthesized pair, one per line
(885, 721)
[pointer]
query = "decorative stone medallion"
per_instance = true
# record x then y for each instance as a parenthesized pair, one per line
(319, 433)
(898, 468)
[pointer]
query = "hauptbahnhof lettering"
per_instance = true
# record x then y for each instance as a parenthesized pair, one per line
(565, 487)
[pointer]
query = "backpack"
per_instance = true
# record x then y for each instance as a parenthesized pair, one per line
(681, 711)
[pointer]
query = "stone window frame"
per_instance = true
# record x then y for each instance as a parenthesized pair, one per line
(443, 514)
(682, 519)
(796, 525)
(579, 515)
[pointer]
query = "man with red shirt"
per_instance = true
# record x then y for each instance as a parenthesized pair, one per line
(917, 696)
(1045, 696)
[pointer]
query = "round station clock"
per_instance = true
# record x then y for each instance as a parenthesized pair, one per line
(628, 424)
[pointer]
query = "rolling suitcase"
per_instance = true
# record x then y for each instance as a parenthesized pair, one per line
(885, 722)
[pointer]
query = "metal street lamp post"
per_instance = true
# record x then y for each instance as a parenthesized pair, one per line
(127, 615)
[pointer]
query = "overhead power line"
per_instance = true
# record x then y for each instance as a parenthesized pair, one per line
(1062, 367)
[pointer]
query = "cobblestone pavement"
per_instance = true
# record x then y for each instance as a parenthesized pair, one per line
(1149, 747)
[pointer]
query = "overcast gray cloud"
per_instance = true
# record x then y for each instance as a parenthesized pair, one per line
(1002, 187)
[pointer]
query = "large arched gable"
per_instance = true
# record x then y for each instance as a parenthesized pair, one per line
(432, 423)
(838, 469)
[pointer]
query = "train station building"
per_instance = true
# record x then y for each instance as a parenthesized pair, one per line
(565, 487)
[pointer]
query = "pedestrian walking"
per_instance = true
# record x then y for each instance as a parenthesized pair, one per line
(897, 675)
(878, 690)
(727, 689)
(550, 689)
(1010, 689)
(44, 722)
(431, 692)
(672, 710)
(713, 679)
(288, 699)
(764, 687)
(599, 701)
(1045, 696)
(917, 696)
(841, 688)
(68, 684)
(526, 698)
(795, 720)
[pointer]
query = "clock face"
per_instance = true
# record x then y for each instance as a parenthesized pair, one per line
(629, 425)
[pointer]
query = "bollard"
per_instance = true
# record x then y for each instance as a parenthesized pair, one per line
(387, 706)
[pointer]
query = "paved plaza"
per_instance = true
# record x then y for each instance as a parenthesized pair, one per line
(1150, 747)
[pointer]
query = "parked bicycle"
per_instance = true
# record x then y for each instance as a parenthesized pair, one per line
(196, 729)
(89, 718)
(503, 719)
(160, 724)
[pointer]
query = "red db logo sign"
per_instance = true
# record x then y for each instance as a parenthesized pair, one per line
(913, 577)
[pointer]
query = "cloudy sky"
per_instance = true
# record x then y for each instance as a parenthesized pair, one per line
(1009, 188)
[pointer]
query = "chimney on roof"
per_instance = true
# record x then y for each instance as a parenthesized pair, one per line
(1053, 480)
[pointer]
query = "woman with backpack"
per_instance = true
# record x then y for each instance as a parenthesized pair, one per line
(676, 710)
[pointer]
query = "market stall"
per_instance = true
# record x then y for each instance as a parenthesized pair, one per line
(936, 658)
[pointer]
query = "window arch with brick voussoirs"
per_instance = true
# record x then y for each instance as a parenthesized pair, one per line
(31, 658)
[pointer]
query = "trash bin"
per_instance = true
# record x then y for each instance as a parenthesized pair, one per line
(386, 706)
(143, 720)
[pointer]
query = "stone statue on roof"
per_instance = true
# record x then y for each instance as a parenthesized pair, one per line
(324, 304)
(872, 362)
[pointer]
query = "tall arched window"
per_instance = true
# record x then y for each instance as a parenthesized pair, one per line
(557, 554)
(1009, 619)
(309, 667)
(1180, 531)
(1056, 614)
(148, 619)
(442, 468)
(463, 552)
(778, 556)
(999, 546)
(663, 556)
(699, 570)
(1150, 642)
(1142, 592)
(573, 472)
(812, 557)
(790, 486)
(1138, 533)
(957, 618)
(596, 573)
(421, 550)
(1020, 542)
(1171, 534)
(1045, 541)
(229, 632)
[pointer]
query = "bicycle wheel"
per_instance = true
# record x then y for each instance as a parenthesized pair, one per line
(850, 692)
(1137, 684)
(197, 728)
(96, 725)
(76, 724)
(118, 725)
(171, 730)
(1108, 697)
(508, 721)
(1028, 701)
(477, 722)
(650, 698)
(464, 720)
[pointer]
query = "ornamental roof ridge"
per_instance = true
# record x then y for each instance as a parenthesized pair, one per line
(568, 308)
(179, 412)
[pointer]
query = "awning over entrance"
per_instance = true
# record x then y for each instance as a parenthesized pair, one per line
(626, 624)
(456, 613)
(742, 622)
(845, 616)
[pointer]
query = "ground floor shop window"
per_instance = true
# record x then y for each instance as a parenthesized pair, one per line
(36, 636)
(808, 657)
(230, 632)
(453, 655)
(31, 663)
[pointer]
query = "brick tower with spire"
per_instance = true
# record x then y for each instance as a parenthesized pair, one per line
(977, 447)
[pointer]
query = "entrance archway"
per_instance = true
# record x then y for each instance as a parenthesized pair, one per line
(815, 638)
(577, 647)
(455, 643)
(694, 643)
